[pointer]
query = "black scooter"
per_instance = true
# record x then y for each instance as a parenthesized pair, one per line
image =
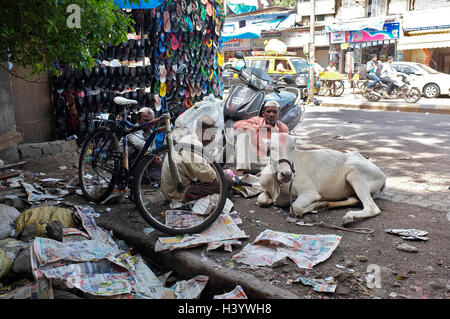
(247, 100)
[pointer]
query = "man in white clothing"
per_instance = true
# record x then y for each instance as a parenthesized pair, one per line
(388, 75)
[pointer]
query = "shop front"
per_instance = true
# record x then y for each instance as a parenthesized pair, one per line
(354, 47)
(427, 38)
(233, 45)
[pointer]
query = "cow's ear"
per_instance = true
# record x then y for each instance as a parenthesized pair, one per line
(266, 142)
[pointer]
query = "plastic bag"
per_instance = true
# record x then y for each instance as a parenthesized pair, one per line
(8, 215)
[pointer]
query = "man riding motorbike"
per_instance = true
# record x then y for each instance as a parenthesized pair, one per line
(388, 75)
(371, 69)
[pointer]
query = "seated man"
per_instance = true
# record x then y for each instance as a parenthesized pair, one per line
(388, 75)
(198, 177)
(282, 67)
(137, 141)
(251, 152)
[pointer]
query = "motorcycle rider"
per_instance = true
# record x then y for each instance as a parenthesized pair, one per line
(371, 69)
(388, 75)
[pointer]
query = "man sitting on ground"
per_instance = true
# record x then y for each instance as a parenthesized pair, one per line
(197, 176)
(250, 150)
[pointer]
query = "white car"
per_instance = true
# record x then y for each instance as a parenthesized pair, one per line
(429, 81)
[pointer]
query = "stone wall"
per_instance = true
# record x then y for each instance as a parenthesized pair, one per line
(34, 150)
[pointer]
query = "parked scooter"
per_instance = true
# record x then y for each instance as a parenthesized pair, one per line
(247, 99)
(401, 88)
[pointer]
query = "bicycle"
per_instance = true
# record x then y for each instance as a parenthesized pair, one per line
(104, 166)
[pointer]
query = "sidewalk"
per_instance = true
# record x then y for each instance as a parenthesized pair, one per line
(424, 105)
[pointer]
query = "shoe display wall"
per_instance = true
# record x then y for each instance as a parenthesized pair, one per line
(175, 33)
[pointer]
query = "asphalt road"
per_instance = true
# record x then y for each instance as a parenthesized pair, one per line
(413, 149)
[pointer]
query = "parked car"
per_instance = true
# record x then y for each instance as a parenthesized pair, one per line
(429, 81)
(295, 66)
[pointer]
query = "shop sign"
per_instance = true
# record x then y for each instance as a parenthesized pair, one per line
(337, 37)
(299, 39)
(237, 44)
(390, 31)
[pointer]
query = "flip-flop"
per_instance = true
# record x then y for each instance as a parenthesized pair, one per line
(163, 90)
(174, 42)
(167, 24)
(157, 102)
(175, 22)
(189, 24)
(209, 9)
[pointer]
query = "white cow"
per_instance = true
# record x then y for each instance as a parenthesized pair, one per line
(322, 178)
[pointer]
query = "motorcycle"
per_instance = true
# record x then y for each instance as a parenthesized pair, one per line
(247, 99)
(401, 88)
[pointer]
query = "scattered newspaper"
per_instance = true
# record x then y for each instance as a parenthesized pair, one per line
(182, 218)
(40, 289)
(99, 267)
(409, 234)
(272, 248)
(224, 228)
(227, 244)
(321, 285)
(48, 250)
(236, 293)
(192, 288)
(37, 194)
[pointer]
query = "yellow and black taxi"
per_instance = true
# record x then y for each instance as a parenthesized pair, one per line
(275, 66)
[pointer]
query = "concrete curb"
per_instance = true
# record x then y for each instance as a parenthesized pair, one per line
(438, 109)
(187, 265)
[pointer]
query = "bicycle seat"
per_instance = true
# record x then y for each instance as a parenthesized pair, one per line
(123, 101)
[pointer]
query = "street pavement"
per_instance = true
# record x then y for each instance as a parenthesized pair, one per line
(439, 105)
(413, 149)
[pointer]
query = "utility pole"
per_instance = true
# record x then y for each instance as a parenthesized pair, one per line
(312, 21)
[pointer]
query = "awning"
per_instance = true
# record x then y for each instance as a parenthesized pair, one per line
(425, 41)
(145, 4)
(254, 30)
(248, 32)
(375, 23)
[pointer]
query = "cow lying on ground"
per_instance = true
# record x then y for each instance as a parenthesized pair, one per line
(323, 178)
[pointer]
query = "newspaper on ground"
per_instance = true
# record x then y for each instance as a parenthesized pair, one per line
(100, 267)
(36, 193)
(272, 248)
(192, 288)
(236, 293)
(40, 289)
(48, 250)
(227, 244)
(182, 218)
(409, 234)
(321, 285)
(224, 228)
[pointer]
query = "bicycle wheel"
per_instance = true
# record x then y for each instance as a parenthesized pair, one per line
(154, 190)
(338, 88)
(98, 165)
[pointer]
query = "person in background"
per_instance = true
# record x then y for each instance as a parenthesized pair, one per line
(330, 67)
(388, 75)
(282, 67)
(371, 69)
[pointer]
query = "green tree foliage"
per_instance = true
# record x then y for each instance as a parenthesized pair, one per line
(284, 3)
(36, 33)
